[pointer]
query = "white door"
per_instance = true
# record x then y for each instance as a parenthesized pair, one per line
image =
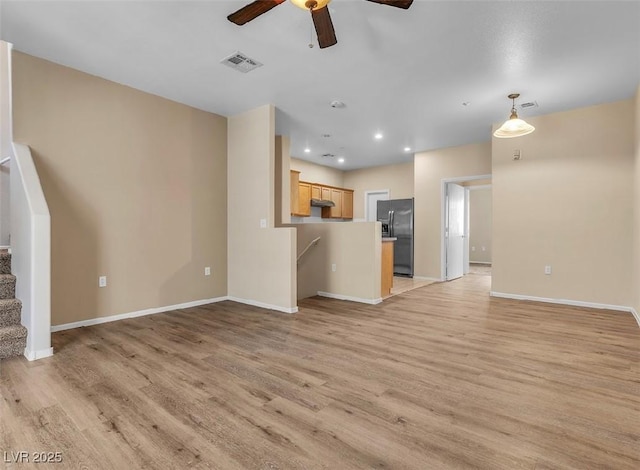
(454, 231)
(371, 203)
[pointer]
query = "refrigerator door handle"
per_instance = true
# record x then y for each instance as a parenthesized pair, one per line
(391, 222)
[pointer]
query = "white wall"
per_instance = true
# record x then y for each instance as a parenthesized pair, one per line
(5, 139)
(261, 260)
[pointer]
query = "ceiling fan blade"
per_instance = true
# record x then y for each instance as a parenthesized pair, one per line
(324, 27)
(252, 11)
(394, 3)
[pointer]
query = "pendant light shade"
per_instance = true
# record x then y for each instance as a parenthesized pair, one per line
(514, 126)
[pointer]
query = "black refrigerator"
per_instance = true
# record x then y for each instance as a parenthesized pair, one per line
(396, 216)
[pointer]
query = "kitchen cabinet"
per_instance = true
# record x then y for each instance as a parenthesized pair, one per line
(334, 212)
(294, 181)
(347, 204)
(302, 192)
(387, 267)
(304, 199)
(300, 196)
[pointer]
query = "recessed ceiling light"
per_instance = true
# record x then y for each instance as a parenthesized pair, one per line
(307, 150)
(340, 160)
(338, 104)
(407, 149)
(378, 136)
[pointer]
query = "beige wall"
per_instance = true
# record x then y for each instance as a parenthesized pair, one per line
(136, 186)
(430, 169)
(480, 225)
(282, 181)
(262, 267)
(635, 287)
(314, 173)
(355, 249)
(567, 203)
(398, 179)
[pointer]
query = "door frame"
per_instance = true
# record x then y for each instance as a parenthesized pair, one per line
(366, 200)
(443, 210)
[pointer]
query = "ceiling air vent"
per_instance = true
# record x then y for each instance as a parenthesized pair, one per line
(529, 104)
(240, 62)
(328, 155)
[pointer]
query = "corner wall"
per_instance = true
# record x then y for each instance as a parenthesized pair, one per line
(6, 140)
(355, 249)
(567, 204)
(398, 179)
(430, 169)
(314, 173)
(136, 187)
(635, 286)
(480, 225)
(261, 258)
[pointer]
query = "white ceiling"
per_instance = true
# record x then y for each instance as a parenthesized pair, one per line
(404, 73)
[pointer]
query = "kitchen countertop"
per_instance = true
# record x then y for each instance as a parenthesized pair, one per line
(389, 239)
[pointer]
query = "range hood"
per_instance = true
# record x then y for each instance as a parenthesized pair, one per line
(322, 203)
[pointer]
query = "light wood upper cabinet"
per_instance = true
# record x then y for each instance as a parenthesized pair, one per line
(304, 199)
(347, 204)
(300, 196)
(302, 192)
(295, 179)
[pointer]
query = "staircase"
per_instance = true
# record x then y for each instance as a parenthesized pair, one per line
(13, 336)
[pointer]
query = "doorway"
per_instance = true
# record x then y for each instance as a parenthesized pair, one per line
(455, 247)
(371, 199)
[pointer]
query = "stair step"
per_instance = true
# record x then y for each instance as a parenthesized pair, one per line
(7, 286)
(13, 340)
(10, 312)
(5, 262)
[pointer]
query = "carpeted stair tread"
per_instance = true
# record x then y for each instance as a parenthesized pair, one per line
(10, 312)
(12, 332)
(13, 340)
(7, 286)
(5, 262)
(13, 336)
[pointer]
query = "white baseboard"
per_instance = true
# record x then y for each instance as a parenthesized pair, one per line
(636, 315)
(255, 303)
(349, 298)
(574, 303)
(139, 313)
(422, 278)
(40, 354)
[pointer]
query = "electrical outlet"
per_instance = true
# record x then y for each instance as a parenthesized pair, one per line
(484, 248)
(207, 271)
(263, 223)
(547, 270)
(473, 248)
(102, 281)
(333, 267)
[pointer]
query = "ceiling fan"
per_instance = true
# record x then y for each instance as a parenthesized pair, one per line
(319, 14)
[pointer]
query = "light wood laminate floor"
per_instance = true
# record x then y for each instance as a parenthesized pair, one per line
(441, 377)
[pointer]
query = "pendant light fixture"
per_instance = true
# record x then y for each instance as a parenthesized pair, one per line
(514, 126)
